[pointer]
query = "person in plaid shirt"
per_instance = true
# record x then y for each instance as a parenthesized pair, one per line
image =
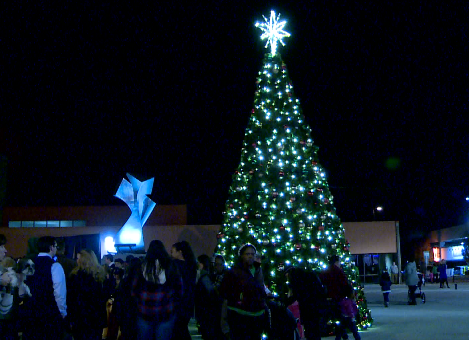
(158, 290)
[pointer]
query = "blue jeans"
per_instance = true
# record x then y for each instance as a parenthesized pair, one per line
(155, 330)
(386, 297)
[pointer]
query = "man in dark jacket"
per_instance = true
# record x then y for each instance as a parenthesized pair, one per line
(47, 308)
(243, 293)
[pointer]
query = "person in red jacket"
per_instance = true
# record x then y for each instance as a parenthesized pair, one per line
(336, 283)
(334, 279)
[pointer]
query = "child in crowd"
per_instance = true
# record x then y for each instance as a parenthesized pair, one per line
(348, 310)
(385, 283)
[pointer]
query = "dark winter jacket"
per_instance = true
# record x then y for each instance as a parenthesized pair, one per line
(188, 275)
(85, 300)
(385, 282)
(207, 307)
(309, 291)
(41, 309)
(125, 306)
(206, 302)
(242, 290)
(42, 304)
(442, 271)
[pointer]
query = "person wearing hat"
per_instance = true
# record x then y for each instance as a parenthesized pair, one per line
(385, 283)
(243, 294)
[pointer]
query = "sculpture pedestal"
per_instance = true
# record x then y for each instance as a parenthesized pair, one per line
(128, 248)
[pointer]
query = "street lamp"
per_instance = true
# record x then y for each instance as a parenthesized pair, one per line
(378, 208)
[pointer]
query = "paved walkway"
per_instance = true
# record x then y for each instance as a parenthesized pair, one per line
(444, 315)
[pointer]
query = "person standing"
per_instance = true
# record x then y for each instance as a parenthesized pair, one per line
(47, 308)
(124, 306)
(109, 261)
(243, 294)
(306, 288)
(185, 260)
(385, 283)
(336, 283)
(394, 273)
(67, 263)
(7, 326)
(219, 270)
(411, 280)
(206, 304)
(334, 279)
(157, 289)
(443, 276)
(348, 313)
(86, 303)
(435, 272)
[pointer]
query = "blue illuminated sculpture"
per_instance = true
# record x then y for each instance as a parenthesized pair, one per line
(135, 194)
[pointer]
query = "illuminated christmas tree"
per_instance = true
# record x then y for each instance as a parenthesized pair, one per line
(279, 199)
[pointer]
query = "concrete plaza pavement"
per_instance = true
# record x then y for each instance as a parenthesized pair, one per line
(444, 315)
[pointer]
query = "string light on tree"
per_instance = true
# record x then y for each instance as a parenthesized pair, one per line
(279, 198)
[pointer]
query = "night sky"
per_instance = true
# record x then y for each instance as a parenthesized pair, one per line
(93, 90)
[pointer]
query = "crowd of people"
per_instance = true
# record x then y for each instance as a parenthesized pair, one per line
(155, 296)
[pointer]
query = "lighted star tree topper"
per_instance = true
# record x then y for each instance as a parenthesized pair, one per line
(135, 195)
(273, 31)
(279, 199)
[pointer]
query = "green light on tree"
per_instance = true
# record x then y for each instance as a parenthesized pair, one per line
(279, 199)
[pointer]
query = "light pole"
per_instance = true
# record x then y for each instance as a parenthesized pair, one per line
(377, 209)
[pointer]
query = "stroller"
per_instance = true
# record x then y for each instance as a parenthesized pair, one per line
(418, 292)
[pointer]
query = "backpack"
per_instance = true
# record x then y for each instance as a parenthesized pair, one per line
(317, 289)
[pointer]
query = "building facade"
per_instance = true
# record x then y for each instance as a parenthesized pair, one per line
(374, 245)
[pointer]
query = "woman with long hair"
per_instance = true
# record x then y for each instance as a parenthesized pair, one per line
(85, 297)
(185, 260)
(158, 290)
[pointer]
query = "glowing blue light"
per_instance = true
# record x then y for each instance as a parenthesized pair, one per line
(135, 195)
(130, 236)
(109, 245)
